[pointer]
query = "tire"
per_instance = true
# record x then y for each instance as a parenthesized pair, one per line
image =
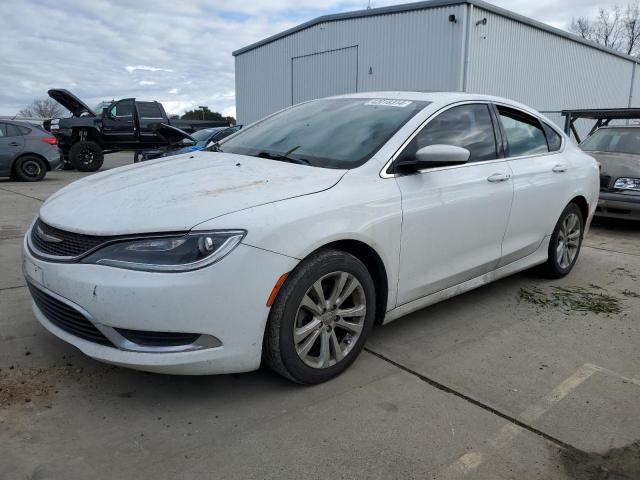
(29, 169)
(86, 156)
(563, 255)
(328, 268)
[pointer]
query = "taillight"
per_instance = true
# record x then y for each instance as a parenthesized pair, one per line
(50, 140)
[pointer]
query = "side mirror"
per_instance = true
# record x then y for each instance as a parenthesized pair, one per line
(436, 156)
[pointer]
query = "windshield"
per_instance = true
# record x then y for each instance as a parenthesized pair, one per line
(204, 135)
(619, 140)
(330, 133)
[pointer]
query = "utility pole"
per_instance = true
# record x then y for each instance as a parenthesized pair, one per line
(202, 107)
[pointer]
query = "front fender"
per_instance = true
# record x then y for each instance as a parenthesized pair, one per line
(365, 211)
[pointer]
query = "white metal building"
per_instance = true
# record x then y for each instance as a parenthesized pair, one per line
(450, 45)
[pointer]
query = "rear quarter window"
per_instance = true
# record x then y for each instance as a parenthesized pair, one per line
(553, 138)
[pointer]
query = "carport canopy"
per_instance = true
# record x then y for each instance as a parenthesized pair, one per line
(601, 116)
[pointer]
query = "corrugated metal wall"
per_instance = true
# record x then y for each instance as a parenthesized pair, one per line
(543, 70)
(414, 50)
(324, 74)
(423, 50)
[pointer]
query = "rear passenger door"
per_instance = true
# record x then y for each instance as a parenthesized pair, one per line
(533, 151)
(11, 145)
(149, 114)
(453, 217)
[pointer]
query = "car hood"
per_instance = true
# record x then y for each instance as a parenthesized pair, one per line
(69, 101)
(177, 193)
(618, 165)
(172, 135)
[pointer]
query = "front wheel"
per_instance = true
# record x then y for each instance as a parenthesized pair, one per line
(321, 318)
(86, 156)
(565, 242)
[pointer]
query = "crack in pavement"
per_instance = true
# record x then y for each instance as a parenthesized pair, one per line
(478, 403)
(22, 194)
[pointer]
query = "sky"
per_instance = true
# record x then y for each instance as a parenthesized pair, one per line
(176, 52)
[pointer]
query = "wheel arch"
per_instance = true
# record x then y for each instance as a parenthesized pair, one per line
(375, 265)
(582, 203)
(80, 134)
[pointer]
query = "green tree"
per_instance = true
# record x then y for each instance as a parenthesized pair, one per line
(206, 114)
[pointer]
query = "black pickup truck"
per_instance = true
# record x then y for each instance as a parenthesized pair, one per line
(125, 124)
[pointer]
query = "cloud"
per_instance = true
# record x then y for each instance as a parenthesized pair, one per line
(116, 49)
(131, 69)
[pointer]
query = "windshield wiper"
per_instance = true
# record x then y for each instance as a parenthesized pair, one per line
(215, 147)
(284, 157)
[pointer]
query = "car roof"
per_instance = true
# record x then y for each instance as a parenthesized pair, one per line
(636, 125)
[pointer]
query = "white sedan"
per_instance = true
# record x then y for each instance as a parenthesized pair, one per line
(289, 240)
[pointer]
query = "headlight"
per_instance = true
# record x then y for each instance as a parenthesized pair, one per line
(169, 254)
(627, 184)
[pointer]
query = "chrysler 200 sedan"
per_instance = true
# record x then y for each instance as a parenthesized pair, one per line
(288, 241)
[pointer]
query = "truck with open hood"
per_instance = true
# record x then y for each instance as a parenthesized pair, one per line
(126, 124)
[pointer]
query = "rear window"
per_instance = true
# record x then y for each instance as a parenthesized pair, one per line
(618, 140)
(149, 110)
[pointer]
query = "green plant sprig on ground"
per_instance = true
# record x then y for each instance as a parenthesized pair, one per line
(574, 298)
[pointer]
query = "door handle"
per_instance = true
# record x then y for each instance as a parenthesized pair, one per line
(559, 169)
(499, 177)
(14, 144)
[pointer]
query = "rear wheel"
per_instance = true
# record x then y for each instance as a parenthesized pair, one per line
(29, 169)
(86, 156)
(321, 318)
(565, 243)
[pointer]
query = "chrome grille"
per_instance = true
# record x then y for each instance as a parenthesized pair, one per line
(67, 318)
(59, 243)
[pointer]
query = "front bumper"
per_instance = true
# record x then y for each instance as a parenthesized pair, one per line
(225, 301)
(618, 205)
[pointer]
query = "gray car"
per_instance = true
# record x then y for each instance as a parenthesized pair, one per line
(617, 149)
(27, 151)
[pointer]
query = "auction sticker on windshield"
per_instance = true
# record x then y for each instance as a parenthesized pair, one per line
(383, 102)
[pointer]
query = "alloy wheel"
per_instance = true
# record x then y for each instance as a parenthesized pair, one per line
(329, 320)
(568, 241)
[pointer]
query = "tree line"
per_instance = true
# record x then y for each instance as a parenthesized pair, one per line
(617, 28)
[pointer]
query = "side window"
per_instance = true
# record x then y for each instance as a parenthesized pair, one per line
(468, 126)
(524, 133)
(554, 140)
(11, 130)
(123, 108)
(149, 110)
(3, 129)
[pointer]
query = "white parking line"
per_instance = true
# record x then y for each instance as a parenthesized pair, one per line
(468, 462)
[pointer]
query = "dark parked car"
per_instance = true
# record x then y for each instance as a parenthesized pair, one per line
(126, 124)
(181, 142)
(617, 148)
(27, 151)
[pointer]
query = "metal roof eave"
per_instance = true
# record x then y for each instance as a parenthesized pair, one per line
(424, 5)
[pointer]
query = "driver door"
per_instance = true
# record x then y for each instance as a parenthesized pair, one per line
(453, 217)
(118, 126)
